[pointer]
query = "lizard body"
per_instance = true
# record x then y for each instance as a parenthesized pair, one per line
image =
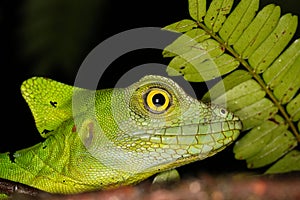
(115, 136)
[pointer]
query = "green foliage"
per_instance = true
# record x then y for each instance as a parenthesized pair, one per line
(249, 49)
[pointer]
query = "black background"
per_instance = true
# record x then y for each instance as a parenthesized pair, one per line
(17, 126)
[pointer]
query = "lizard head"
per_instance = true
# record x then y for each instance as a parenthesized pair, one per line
(156, 123)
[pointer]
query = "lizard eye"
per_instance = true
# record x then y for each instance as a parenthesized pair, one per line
(157, 100)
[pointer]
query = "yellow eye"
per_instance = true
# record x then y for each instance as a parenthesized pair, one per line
(157, 100)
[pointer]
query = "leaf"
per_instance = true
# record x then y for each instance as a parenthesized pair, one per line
(254, 114)
(216, 14)
(197, 9)
(293, 108)
(274, 44)
(257, 31)
(242, 95)
(204, 61)
(181, 26)
(277, 147)
(259, 73)
(229, 82)
(238, 20)
(258, 137)
(185, 42)
(282, 65)
(269, 141)
(290, 162)
(289, 84)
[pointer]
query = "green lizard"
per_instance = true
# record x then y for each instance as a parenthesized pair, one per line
(115, 136)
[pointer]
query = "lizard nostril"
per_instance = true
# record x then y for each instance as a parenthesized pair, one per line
(223, 111)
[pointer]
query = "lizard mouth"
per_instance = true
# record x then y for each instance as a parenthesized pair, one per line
(192, 131)
(194, 138)
(170, 147)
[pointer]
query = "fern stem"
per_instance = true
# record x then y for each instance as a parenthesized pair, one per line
(270, 94)
(256, 76)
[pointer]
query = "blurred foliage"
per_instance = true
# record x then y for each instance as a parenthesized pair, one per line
(56, 33)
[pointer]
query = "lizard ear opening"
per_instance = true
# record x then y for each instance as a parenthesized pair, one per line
(87, 133)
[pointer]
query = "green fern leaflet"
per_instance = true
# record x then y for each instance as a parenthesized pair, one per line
(249, 48)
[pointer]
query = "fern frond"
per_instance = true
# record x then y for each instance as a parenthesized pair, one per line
(261, 82)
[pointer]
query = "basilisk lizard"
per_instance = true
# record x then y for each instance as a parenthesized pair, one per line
(114, 137)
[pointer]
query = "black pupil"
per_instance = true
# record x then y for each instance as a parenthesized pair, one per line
(158, 100)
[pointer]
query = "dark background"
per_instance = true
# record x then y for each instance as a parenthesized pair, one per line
(52, 38)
